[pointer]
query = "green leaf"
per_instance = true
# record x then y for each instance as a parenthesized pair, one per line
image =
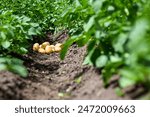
(126, 11)
(98, 34)
(32, 31)
(119, 43)
(90, 49)
(25, 19)
(138, 32)
(3, 36)
(101, 61)
(23, 50)
(17, 61)
(90, 23)
(21, 70)
(34, 24)
(66, 46)
(115, 59)
(2, 60)
(3, 67)
(78, 3)
(111, 8)
(87, 60)
(97, 4)
(119, 92)
(82, 40)
(6, 44)
(125, 82)
(128, 77)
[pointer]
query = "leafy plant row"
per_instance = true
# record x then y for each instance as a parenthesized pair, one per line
(117, 34)
(19, 22)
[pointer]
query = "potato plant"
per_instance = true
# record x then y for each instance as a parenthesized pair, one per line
(118, 38)
(21, 20)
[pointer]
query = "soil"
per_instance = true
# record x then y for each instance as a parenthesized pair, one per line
(51, 78)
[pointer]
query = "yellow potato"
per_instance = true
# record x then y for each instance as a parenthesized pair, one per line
(59, 45)
(57, 49)
(40, 46)
(53, 47)
(41, 50)
(36, 47)
(45, 44)
(48, 49)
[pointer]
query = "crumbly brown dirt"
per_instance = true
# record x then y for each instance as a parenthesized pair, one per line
(52, 78)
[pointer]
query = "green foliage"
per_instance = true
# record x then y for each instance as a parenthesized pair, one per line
(15, 32)
(119, 92)
(20, 20)
(118, 37)
(14, 65)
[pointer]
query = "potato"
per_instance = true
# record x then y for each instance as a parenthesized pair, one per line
(53, 47)
(36, 47)
(59, 45)
(40, 46)
(45, 44)
(41, 50)
(48, 49)
(57, 49)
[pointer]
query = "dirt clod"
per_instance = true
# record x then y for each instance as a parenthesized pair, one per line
(10, 86)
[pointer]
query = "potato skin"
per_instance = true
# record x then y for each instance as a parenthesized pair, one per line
(36, 47)
(41, 50)
(58, 45)
(43, 45)
(53, 48)
(57, 49)
(48, 49)
(40, 46)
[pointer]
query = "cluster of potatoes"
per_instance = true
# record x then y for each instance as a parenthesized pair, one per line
(46, 48)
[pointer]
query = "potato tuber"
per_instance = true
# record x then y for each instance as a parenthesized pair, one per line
(36, 47)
